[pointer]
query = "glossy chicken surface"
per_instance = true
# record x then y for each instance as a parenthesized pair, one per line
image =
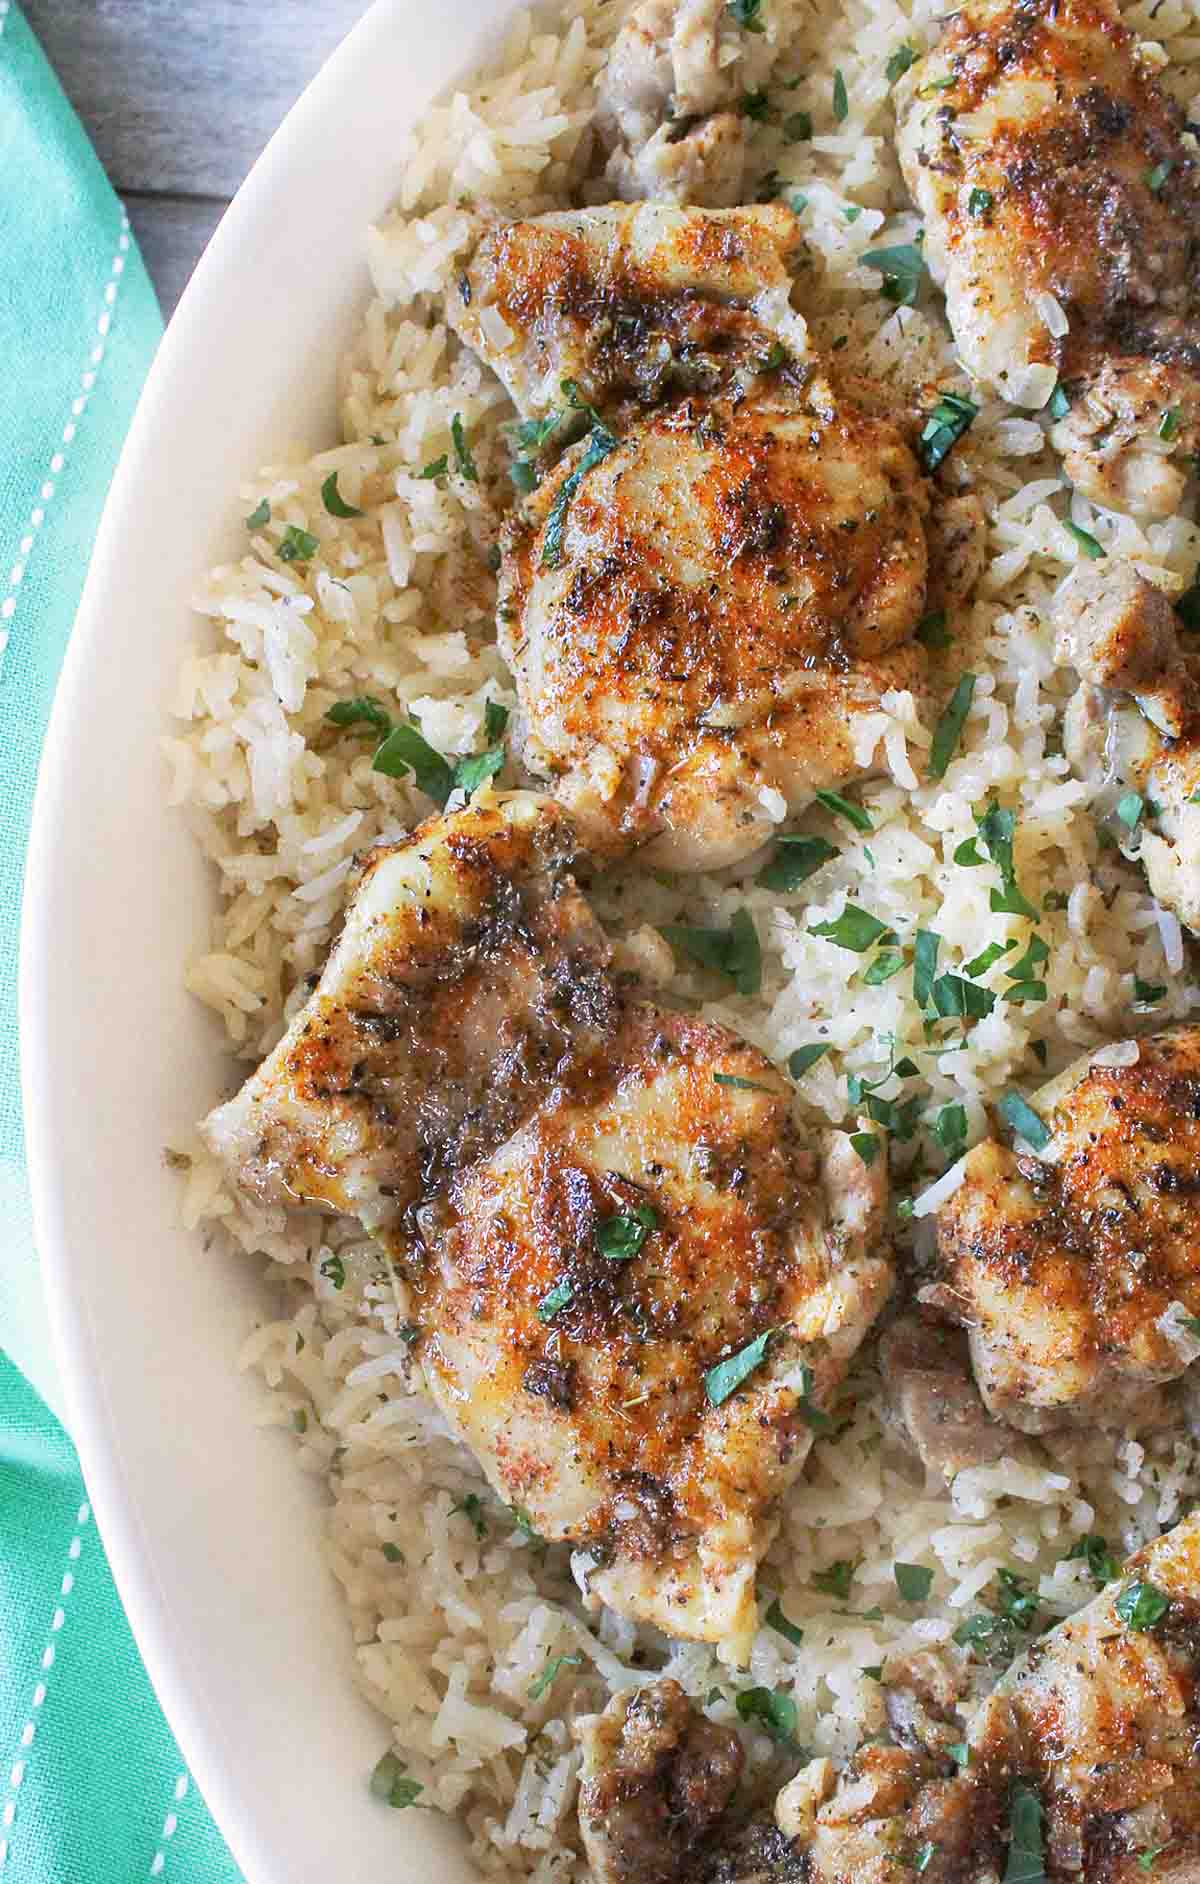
(729, 592)
(1077, 1272)
(667, 102)
(1061, 203)
(591, 1204)
(1135, 719)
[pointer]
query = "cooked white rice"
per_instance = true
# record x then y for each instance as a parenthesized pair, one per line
(455, 1611)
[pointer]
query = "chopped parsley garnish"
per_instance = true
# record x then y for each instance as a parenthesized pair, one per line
(1129, 809)
(841, 103)
(463, 460)
(1148, 993)
(997, 828)
(495, 719)
(923, 1857)
(901, 269)
(475, 770)
(1157, 177)
(1024, 1120)
(802, 1058)
(812, 1415)
(364, 709)
(1141, 1606)
(949, 420)
(925, 956)
(932, 631)
(554, 1299)
(1059, 405)
(950, 1128)
(979, 202)
(1017, 1599)
(842, 808)
(1091, 548)
(297, 545)
(1168, 425)
(774, 357)
(990, 1635)
(621, 1237)
(952, 998)
(958, 1750)
(259, 515)
(727, 1376)
(393, 1554)
(748, 14)
(300, 1420)
(754, 105)
(852, 211)
(554, 1666)
(334, 1271)
(1146, 1858)
(979, 964)
(967, 854)
(873, 1672)
(795, 860)
(772, 1709)
(1026, 1864)
(900, 60)
(949, 728)
(797, 127)
(472, 1509)
(733, 952)
(524, 1523)
(855, 929)
(600, 444)
(740, 1084)
(913, 1580)
(836, 1579)
(887, 963)
(436, 468)
(777, 1620)
(866, 1144)
(1055, 899)
(1039, 1050)
(1093, 1550)
(403, 751)
(389, 1784)
(334, 502)
(409, 1332)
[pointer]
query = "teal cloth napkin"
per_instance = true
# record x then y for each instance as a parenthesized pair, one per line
(92, 1787)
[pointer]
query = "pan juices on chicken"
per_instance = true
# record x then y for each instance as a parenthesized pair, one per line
(632, 1278)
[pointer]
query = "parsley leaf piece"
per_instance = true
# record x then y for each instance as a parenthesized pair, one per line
(898, 64)
(923, 1857)
(967, 854)
(887, 963)
(950, 1127)
(1035, 956)
(997, 828)
(873, 1671)
(948, 421)
(955, 999)
(471, 1507)
(802, 1058)
(333, 500)
(1168, 425)
(748, 14)
(795, 860)
(1129, 809)
(259, 515)
(852, 211)
(797, 127)
(901, 269)
(836, 1580)
(554, 1667)
(436, 468)
(334, 1271)
(772, 1709)
(621, 1237)
(733, 952)
(727, 1376)
(393, 1554)
(913, 1580)
(300, 1421)
(1026, 1863)
(979, 202)
(1091, 548)
(1024, 1120)
(932, 631)
(475, 770)
(979, 964)
(403, 751)
(855, 929)
(1148, 993)
(841, 103)
(495, 719)
(958, 1750)
(389, 1784)
(842, 808)
(524, 1523)
(1039, 1049)
(754, 105)
(739, 1084)
(1017, 1599)
(866, 1144)
(949, 728)
(1059, 405)
(297, 545)
(1146, 1858)
(554, 1299)
(600, 444)
(925, 957)
(1156, 178)
(464, 462)
(364, 709)
(1141, 1606)
(812, 1415)
(777, 1620)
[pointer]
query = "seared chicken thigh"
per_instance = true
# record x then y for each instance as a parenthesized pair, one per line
(1135, 720)
(1061, 200)
(666, 101)
(632, 1279)
(1077, 1272)
(703, 604)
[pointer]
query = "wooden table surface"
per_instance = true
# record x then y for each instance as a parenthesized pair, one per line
(179, 97)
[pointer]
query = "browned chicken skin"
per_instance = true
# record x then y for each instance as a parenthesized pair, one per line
(1090, 195)
(1074, 1272)
(929, 1392)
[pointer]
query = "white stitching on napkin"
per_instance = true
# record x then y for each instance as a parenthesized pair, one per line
(170, 1826)
(87, 380)
(18, 1769)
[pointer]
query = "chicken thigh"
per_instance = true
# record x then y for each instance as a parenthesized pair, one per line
(665, 102)
(1077, 1272)
(1061, 199)
(631, 1280)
